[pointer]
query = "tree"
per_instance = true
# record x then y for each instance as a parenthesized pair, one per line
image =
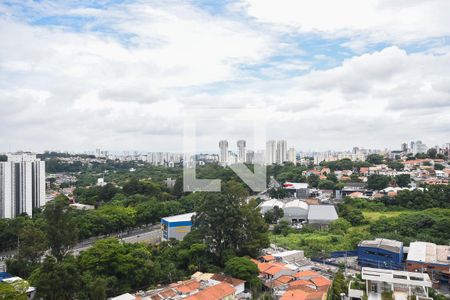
(278, 193)
(228, 223)
(60, 226)
(396, 165)
(273, 215)
(313, 180)
(403, 180)
(57, 280)
(355, 217)
(126, 266)
(377, 182)
(340, 226)
(432, 153)
(242, 268)
(375, 159)
(9, 292)
(32, 244)
(31, 247)
(338, 287)
(326, 185)
(439, 167)
(283, 227)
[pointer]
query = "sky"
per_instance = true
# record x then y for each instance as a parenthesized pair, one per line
(121, 75)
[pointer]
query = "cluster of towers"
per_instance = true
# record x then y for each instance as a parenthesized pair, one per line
(276, 153)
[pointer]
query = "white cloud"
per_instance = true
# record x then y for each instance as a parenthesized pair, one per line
(126, 89)
(363, 22)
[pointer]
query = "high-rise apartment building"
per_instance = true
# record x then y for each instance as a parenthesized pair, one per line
(271, 152)
(241, 151)
(223, 156)
(281, 152)
(250, 157)
(292, 156)
(22, 185)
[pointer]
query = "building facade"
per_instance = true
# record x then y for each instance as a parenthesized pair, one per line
(381, 253)
(22, 185)
(281, 152)
(271, 152)
(223, 157)
(241, 144)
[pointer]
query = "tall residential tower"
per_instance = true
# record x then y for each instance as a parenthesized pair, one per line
(223, 158)
(22, 185)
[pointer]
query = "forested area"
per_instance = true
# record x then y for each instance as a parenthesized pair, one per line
(111, 267)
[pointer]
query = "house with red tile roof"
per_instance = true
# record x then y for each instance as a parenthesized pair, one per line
(221, 291)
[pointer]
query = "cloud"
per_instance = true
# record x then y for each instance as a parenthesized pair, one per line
(363, 22)
(119, 76)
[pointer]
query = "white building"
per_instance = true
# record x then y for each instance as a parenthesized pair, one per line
(223, 157)
(22, 185)
(241, 151)
(281, 151)
(271, 152)
(292, 156)
(295, 211)
(270, 204)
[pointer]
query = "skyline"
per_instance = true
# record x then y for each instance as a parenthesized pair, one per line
(118, 74)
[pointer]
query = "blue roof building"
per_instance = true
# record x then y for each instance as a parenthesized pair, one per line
(381, 253)
(176, 227)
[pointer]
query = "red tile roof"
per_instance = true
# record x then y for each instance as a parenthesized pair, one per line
(215, 292)
(321, 281)
(228, 279)
(294, 295)
(307, 273)
(186, 287)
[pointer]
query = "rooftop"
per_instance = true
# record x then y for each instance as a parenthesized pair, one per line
(297, 203)
(295, 185)
(428, 253)
(215, 292)
(179, 218)
(398, 277)
(385, 244)
(322, 212)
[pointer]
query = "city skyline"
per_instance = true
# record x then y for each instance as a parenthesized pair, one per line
(364, 75)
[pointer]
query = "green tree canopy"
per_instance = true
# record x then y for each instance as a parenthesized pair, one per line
(60, 226)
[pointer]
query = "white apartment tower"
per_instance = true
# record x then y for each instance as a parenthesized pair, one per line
(241, 151)
(22, 185)
(292, 156)
(223, 157)
(281, 152)
(271, 152)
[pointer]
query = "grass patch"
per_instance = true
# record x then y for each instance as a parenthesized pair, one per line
(375, 215)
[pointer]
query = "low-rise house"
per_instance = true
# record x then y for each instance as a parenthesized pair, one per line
(307, 285)
(201, 286)
(220, 291)
(398, 285)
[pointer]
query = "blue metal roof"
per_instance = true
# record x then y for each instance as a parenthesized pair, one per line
(4, 275)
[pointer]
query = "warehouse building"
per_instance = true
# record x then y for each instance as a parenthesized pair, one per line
(295, 211)
(270, 204)
(381, 253)
(322, 215)
(176, 227)
(430, 258)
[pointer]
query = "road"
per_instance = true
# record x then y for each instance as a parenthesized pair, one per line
(151, 234)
